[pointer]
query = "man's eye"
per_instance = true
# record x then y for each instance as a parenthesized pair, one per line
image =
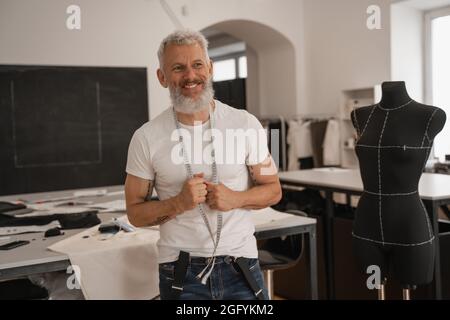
(198, 65)
(177, 68)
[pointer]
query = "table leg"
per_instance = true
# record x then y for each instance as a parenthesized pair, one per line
(313, 263)
(328, 237)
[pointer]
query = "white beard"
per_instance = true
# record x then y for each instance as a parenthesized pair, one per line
(188, 105)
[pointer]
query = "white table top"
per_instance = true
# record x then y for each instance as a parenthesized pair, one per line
(432, 186)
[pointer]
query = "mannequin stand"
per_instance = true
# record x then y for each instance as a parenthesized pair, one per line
(406, 294)
(381, 291)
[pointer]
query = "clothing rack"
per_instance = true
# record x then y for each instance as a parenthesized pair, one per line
(270, 121)
(319, 125)
(315, 117)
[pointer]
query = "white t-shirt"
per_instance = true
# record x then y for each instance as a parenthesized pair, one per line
(154, 154)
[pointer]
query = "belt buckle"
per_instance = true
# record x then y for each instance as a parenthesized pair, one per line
(229, 259)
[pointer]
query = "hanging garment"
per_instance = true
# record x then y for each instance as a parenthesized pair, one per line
(318, 129)
(299, 140)
(331, 150)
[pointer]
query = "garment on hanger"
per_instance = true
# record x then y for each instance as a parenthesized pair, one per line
(331, 154)
(299, 140)
(318, 129)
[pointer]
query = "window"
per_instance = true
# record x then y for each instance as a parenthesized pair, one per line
(230, 67)
(243, 67)
(438, 79)
(224, 70)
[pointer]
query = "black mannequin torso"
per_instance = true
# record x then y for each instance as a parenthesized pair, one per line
(392, 227)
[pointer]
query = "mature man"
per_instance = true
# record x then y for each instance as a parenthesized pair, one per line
(206, 248)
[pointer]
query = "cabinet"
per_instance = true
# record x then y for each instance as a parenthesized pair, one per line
(350, 100)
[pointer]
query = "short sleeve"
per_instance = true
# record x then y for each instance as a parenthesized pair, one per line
(139, 160)
(257, 146)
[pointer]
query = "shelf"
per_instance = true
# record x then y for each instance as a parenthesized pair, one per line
(351, 100)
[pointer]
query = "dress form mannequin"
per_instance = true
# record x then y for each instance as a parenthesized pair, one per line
(392, 229)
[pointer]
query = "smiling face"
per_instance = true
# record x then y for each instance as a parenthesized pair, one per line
(187, 72)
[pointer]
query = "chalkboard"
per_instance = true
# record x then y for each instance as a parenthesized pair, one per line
(64, 127)
(231, 92)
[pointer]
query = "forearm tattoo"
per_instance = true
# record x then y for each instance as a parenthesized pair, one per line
(252, 175)
(160, 220)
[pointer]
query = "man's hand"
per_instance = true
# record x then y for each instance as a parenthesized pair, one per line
(220, 197)
(193, 193)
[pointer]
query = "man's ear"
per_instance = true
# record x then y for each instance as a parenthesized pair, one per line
(161, 78)
(211, 69)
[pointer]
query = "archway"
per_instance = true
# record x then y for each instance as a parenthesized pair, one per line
(271, 79)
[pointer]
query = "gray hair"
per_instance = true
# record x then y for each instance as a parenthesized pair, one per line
(182, 37)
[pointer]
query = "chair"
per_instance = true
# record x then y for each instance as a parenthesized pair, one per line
(280, 253)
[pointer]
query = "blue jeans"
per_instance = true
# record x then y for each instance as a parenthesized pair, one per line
(226, 282)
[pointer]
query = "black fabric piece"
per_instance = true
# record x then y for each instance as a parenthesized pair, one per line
(68, 221)
(21, 289)
(306, 163)
(180, 274)
(53, 232)
(318, 130)
(243, 266)
(8, 206)
(109, 227)
(79, 220)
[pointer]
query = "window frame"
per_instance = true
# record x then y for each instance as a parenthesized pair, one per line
(235, 56)
(429, 16)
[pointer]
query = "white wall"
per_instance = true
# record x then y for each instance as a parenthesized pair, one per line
(333, 49)
(342, 53)
(252, 85)
(407, 43)
(113, 33)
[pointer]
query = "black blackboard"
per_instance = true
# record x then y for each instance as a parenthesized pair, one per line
(67, 127)
(231, 92)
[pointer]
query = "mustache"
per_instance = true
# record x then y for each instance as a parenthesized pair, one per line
(195, 81)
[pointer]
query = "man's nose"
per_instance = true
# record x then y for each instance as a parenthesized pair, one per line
(189, 74)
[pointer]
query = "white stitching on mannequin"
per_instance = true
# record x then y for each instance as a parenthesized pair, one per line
(428, 126)
(391, 194)
(426, 218)
(392, 147)
(390, 109)
(358, 130)
(394, 243)
(367, 122)
(425, 163)
(427, 154)
(379, 175)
